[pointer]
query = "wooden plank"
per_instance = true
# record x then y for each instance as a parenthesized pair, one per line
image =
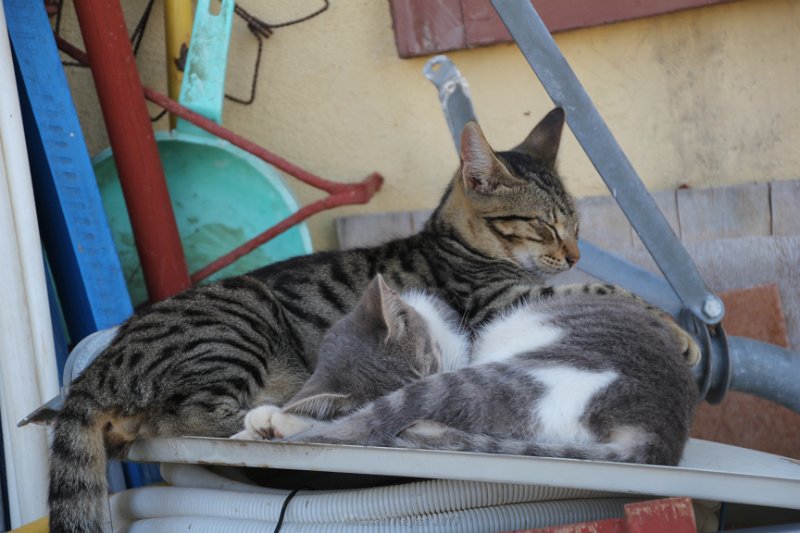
(423, 27)
(561, 15)
(729, 212)
(75, 232)
(482, 26)
(85, 267)
(730, 264)
(603, 223)
(784, 201)
(369, 230)
(419, 218)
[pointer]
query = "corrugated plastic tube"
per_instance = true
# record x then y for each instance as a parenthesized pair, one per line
(422, 497)
(205, 501)
(498, 518)
(198, 477)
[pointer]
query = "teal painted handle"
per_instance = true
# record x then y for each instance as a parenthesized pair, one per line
(203, 89)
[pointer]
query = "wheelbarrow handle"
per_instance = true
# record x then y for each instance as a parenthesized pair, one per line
(203, 87)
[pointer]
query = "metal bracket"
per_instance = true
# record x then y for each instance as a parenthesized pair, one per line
(734, 363)
(703, 307)
(560, 82)
(454, 95)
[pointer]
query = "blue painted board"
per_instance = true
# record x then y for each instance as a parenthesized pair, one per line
(74, 229)
(77, 240)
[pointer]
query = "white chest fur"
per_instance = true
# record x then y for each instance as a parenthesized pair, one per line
(518, 332)
(453, 343)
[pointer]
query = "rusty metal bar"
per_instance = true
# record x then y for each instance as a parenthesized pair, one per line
(340, 193)
(140, 173)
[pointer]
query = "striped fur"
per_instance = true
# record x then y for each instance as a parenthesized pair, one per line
(196, 363)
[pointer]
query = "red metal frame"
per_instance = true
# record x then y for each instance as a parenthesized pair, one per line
(140, 173)
(339, 194)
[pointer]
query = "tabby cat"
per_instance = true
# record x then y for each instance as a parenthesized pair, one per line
(196, 363)
(581, 376)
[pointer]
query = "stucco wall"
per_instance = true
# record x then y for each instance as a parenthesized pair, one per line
(702, 97)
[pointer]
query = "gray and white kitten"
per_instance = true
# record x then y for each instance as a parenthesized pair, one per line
(580, 375)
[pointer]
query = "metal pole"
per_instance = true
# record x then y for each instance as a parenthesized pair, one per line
(136, 156)
(454, 95)
(560, 82)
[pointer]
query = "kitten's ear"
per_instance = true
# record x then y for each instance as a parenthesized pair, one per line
(481, 171)
(385, 306)
(394, 309)
(323, 406)
(542, 143)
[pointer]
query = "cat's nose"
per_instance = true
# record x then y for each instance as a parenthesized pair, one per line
(571, 252)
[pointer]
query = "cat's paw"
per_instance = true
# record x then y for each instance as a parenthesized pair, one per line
(691, 351)
(258, 423)
(689, 348)
(268, 422)
(285, 425)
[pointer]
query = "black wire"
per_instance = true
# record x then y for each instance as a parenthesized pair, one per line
(285, 505)
(158, 117)
(259, 33)
(723, 516)
(255, 24)
(138, 31)
(258, 27)
(326, 5)
(262, 30)
(136, 37)
(59, 7)
(57, 31)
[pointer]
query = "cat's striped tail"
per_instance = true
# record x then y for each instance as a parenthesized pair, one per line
(629, 444)
(78, 492)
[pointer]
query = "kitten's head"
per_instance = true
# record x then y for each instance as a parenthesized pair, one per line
(381, 345)
(516, 207)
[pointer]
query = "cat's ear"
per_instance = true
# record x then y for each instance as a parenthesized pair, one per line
(383, 304)
(542, 143)
(323, 406)
(481, 170)
(394, 309)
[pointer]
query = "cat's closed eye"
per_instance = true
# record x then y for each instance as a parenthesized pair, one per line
(546, 229)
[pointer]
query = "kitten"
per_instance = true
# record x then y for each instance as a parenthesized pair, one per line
(582, 376)
(196, 363)
(375, 349)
